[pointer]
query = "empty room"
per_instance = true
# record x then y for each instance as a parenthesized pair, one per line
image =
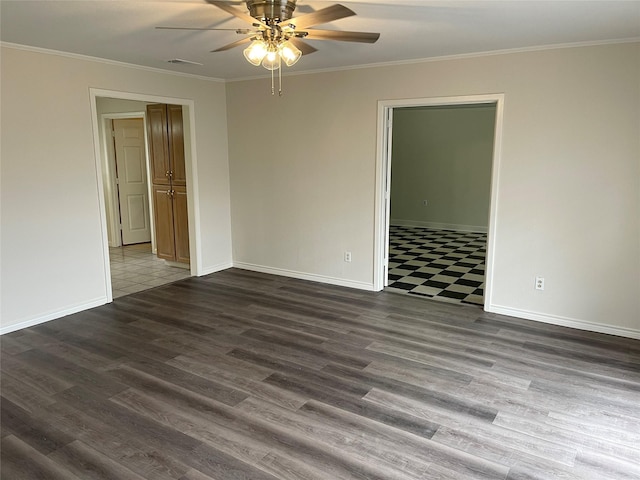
(204, 208)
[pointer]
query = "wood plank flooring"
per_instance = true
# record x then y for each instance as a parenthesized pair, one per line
(240, 375)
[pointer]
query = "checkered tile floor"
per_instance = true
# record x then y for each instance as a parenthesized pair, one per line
(441, 264)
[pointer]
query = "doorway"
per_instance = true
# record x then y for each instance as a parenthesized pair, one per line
(128, 176)
(118, 258)
(134, 265)
(420, 238)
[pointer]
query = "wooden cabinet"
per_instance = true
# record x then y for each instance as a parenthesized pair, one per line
(163, 215)
(172, 226)
(176, 145)
(158, 141)
(180, 223)
(166, 148)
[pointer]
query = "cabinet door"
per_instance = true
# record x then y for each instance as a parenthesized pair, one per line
(176, 144)
(163, 214)
(158, 143)
(181, 223)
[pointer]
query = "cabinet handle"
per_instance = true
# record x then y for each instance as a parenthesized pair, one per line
(167, 173)
(169, 192)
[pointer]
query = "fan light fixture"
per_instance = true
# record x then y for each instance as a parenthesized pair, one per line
(270, 54)
(277, 36)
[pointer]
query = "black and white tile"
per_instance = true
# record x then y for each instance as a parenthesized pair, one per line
(440, 264)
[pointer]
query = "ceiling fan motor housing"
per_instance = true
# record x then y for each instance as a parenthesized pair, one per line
(271, 9)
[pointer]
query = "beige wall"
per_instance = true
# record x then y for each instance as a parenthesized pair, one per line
(443, 155)
(52, 237)
(303, 171)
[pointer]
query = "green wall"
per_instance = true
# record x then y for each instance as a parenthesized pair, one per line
(443, 155)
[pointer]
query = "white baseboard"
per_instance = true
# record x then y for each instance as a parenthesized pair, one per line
(215, 268)
(439, 226)
(53, 315)
(511, 312)
(565, 321)
(84, 306)
(305, 276)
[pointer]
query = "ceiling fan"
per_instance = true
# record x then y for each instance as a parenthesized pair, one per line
(276, 36)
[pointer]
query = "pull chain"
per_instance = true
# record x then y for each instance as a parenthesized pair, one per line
(279, 76)
(273, 83)
(273, 88)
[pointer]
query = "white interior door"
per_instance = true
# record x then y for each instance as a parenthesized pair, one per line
(131, 167)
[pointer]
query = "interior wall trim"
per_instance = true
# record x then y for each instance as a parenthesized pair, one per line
(564, 321)
(191, 165)
(215, 268)
(31, 322)
(501, 310)
(439, 226)
(341, 282)
(445, 58)
(109, 180)
(79, 56)
(383, 176)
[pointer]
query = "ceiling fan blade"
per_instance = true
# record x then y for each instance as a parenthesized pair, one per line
(237, 13)
(362, 37)
(305, 48)
(229, 46)
(324, 15)
(241, 31)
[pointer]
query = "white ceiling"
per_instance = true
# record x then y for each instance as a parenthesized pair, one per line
(410, 29)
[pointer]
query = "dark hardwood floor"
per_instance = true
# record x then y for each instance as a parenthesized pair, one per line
(241, 375)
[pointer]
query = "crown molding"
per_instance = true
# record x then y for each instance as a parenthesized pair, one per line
(442, 58)
(89, 58)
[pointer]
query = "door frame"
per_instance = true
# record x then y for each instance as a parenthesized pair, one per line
(111, 188)
(193, 205)
(383, 180)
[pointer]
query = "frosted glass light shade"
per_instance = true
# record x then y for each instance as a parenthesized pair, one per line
(255, 52)
(290, 53)
(271, 60)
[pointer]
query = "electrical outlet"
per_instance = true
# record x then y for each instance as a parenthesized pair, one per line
(425, 203)
(539, 283)
(347, 257)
